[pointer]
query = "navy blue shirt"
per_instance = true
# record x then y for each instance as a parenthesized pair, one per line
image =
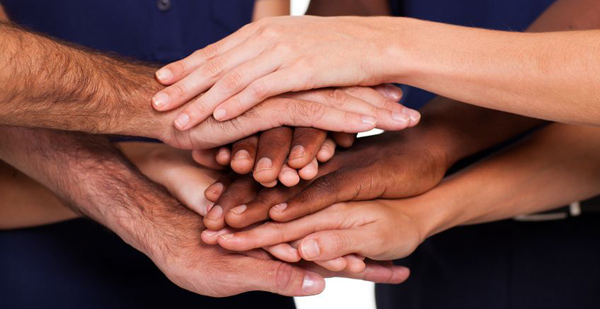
(78, 264)
(514, 15)
(149, 30)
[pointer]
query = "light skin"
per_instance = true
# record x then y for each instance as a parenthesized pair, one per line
(149, 219)
(554, 167)
(542, 75)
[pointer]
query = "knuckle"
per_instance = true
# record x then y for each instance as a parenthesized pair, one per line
(270, 31)
(213, 68)
(337, 97)
(180, 89)
(283, 48)
(283, 276)
(233, 81)
(208, 52)
(338, 242)
(259, 89)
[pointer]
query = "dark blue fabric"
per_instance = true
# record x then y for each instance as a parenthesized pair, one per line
(135, 28)
(505, 264)
(79, 264)
(514, 15)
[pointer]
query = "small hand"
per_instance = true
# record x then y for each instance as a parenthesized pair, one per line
(275, 56)
(391, 165)
(380, 230)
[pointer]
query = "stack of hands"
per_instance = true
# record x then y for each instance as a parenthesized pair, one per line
(285, 190)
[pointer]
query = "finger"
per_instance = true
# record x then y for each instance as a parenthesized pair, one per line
(336, 265)
(327, 245)
(272, 233)
(244, 155)
(345, 140)
(240, 192)
(337, 186)
(288, 176)
(284, 252)
(377, 272)
(273, 148)
(282, 278)
(258, 90)
(258, 209)
(223, 156)
(306, 144)
(355, 263)
(390, 91)
(214, 191)
(177, 70)
(207, 158)
(211, 237)
(327, 150)
(310, 171)
(374, 98)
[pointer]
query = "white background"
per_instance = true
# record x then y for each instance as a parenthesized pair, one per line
(339, 293)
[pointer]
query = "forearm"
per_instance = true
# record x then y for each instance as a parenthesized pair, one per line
(91, 176)
(50, 84)
(556, 166)
(544, 75)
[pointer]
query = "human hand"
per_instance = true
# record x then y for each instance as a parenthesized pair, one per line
(391, 165)
(380, 230)
(304, 148)
(275, 56)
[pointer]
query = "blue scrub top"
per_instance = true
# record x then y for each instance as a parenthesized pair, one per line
(149, 30)
(514, 15)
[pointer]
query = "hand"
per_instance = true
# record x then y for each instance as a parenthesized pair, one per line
(391, 165)
(213, 271)
(286, 154)
(303, 147)
(275, 56)
(174, 169)
(380, 230)
(333, 110)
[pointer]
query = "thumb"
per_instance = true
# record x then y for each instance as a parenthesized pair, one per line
(327, 245)
(285, 279)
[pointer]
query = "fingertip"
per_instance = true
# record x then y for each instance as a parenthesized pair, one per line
(182, 122)
(223, 156)
(164, 76)
(289, 177)
(160, 101)
(312, 284)
(214, 191)
(310, 171)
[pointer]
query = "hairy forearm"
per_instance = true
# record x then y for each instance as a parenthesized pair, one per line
(92, 176)
(544, 75)
(50, 84)
(556, 166)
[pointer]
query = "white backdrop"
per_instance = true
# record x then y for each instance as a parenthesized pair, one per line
(340, 293)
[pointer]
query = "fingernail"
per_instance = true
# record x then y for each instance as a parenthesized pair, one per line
(164, 74)
(160, 99)
(217, 188)
(280, 207)
(400, 117)
(393, 93)
(414, 115)
(368, 120)
(215, 213)
(226, 236)
(210, 233)
(239, 209)
(264, 164)
(310, 249)
(242, 155)
(182, 120)
(220, 113)
(309, 284)
(297, 152)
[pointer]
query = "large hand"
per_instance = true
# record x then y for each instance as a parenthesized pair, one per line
(327, 109)
(276, 56)
(391, 165)
(290, 154)
(380, 230)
